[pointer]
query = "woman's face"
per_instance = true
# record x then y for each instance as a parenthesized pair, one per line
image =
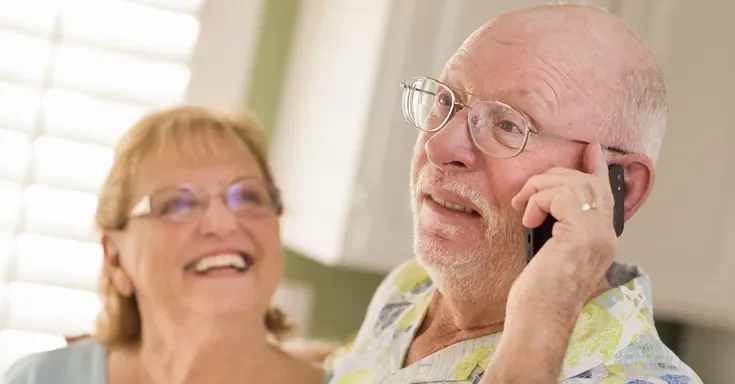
(217, 258)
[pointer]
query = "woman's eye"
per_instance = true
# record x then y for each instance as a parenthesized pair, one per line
(249, 197)
(178, 205)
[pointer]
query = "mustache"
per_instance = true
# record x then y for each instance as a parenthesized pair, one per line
(436, 178)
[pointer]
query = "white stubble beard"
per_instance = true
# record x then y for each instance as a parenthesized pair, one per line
(483, 271)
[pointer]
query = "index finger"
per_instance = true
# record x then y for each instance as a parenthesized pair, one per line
(594, 161)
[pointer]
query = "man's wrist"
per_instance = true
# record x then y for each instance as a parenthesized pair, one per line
(561, 313)
(537, 333)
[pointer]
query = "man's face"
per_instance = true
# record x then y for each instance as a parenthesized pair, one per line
(461, 197)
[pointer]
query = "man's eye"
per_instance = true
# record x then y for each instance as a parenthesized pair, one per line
(509, 127)
(444, 99)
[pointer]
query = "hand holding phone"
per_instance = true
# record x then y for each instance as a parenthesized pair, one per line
(566, 274)
(537, 237)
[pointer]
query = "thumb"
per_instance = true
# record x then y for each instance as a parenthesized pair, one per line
(594, 160)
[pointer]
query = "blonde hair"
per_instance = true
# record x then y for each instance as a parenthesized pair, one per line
(191, 127)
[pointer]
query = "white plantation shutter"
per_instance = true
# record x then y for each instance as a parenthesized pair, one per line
(74, 74)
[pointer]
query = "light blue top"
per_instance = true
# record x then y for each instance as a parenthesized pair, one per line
(82, 362)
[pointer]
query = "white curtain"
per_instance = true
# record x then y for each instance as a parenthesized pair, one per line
(74, 74)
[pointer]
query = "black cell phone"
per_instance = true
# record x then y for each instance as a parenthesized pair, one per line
(537, 237)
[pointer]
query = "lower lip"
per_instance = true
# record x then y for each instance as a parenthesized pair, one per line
(221, 273)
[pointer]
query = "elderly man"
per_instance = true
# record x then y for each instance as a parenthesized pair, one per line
(506, 133)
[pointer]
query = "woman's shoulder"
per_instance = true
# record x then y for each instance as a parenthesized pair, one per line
(84, 361)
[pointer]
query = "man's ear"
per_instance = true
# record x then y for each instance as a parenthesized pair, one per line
(639, 180)
(113, 264)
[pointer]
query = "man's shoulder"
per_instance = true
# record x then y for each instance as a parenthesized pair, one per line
(645, 360)
(648, 356)
(81, 361)
(616, 336)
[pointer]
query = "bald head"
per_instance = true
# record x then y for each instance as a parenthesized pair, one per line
(576, 35)
(598, 63)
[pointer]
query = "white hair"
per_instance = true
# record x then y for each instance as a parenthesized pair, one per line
(645, 112)
(639, 123)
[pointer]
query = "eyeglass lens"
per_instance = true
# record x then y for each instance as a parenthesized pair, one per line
(247, 198)
(496, 128)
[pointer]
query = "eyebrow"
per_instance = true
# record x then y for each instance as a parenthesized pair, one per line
(246, 177)
(501, 95)
(183, 185)
(456, 84)
(455, 76)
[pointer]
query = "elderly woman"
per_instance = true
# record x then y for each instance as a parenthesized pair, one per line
(189, 217)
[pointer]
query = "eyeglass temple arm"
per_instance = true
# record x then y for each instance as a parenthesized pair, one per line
(560, 137)
(459, 103)
(404, 85)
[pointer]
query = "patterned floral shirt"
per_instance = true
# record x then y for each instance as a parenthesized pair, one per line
(614, 342)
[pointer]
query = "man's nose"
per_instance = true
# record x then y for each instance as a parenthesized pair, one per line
(217, 219)
(452, 148)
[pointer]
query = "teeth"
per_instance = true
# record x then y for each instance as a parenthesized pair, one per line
(231, 260)
(450, 205)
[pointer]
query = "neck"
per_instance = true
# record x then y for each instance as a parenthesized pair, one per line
(196, 349)
(471, 303)
(454, 316)
(476, 304)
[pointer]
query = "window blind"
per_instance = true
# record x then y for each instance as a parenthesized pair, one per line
(74, 75)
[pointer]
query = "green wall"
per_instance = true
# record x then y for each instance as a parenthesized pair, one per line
(341, 296)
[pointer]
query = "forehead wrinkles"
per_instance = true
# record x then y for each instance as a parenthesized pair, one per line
(540, 80)
(487, 67)
(523, 93)
(456, 74)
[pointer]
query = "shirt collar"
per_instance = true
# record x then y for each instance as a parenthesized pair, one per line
(606, 325)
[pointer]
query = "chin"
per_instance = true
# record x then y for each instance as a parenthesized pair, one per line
(227, 300)
(439, 255)
(230, 293)
(224, 306)
(492, 260)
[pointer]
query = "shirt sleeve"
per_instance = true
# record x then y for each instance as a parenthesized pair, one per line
(23, 371)
(81, 362)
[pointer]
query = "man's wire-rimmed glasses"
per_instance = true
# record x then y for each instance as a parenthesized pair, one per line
(497, 129)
